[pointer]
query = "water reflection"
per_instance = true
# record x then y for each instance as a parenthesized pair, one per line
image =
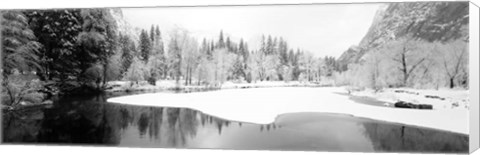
(402, 138)
(92, 121)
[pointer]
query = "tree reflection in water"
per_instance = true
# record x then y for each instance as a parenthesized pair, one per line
(401, 138)
(21, 126)
(143, 123)
(92, 121)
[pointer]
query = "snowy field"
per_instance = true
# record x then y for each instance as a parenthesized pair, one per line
(263, 105)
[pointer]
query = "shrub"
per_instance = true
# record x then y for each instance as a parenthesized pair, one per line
(21, 89)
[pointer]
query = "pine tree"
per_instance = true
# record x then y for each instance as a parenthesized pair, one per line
(212, 47)
(152, 34)
(243, 50)
(127, 47)
(19, 45)
(98, 41)
(145, 46)
(204, 50)
(263, 45)
(283, 51)
(221, 42)
(19, 52)
(158, 42)
(275, 46)
(228, 45)
(269, 46)
(157, 31)
(57, 31)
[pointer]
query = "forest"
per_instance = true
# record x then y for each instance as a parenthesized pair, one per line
(413, 63)
(417, 45)
(79, 51)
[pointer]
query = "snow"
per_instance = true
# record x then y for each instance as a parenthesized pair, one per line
(142, 85)
(452, 98)
(263, 84)
(263, 105)
(168, 84)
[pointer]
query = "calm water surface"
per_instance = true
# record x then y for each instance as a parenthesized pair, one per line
(93, 121)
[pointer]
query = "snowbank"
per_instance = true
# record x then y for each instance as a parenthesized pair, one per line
(117, 86)
(263, 105)
(439, 99)
(170, 84)
(265, 84)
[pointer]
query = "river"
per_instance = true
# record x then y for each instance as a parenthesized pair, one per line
(90, 120)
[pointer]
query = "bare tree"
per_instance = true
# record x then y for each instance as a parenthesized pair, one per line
(409, 53)
(453, 57)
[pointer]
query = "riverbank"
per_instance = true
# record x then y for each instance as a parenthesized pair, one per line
(263, 105)
(439, 99)
(127, 86)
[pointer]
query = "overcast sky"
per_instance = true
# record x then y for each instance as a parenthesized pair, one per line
(327, 29)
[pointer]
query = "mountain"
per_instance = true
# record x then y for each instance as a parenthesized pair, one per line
(123, 26)
(430, 21)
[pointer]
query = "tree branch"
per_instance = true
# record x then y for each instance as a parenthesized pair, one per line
(415, 66)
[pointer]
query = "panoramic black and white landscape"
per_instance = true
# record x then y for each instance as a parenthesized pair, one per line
(373, 77)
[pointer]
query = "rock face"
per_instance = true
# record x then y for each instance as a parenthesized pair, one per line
(431, 21)
(352, 55)
(123, 26)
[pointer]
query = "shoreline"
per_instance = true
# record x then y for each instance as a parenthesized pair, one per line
(257, 107)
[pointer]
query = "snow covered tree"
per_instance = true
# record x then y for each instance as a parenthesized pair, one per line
(182, 54)
(128, 50)
(238, 70)
(20, 50)
(243, 49)
(283, 51)
(453, 56)
(190, 57)
(20, 89)
(158, 47)
(409, 54)
(152, 33)
(229, 45)
(137, 71)
(114, 67)
(373, 70)
(57, 31)
(175, 56)
(307, 66)
(287, 73)
(145, 45)
(223, 61)
(97, 41)
(221, 41)
(269, 46)
(157, 60)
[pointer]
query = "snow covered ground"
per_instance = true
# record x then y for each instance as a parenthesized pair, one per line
(263, 84)
(169, 84)
(439, 99)
(263, 105)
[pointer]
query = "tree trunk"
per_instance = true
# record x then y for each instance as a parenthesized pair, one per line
(199, 77)
(452, 83)
(191, 75)
(104, 75)
(186, 76)
(404, 70)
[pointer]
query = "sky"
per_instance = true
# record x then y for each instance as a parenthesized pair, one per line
(324, 30)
